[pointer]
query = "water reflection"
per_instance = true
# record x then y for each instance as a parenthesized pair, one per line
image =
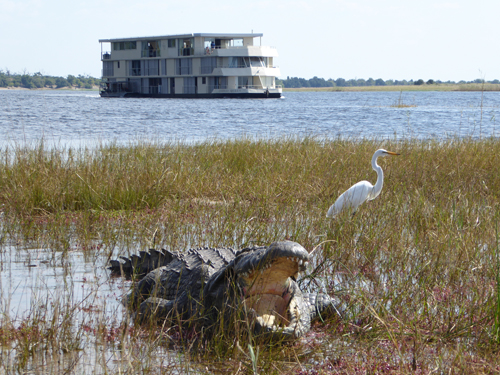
(69, 309)
(31, 273)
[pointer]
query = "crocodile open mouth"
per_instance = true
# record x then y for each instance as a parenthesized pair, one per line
(268, 291)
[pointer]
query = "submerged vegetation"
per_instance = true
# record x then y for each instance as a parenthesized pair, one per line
(400, 102)
(418, 268)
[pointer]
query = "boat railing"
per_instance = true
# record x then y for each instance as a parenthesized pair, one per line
(186, 51)
(258, 87)
(241, 47)
(239, 66)
(217, 87)
(106, 55)
(153, 52)
(213, 50)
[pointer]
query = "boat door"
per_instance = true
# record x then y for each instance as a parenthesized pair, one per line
(172, 85)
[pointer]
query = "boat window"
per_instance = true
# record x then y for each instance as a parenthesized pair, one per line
(237, 42)
(239, 62)
(233, 62)
(222, 43)
(257, 62)
(118, 46)
(186, 47)
(135, 68)
(184, 67)
(244, 82)
(267, 82)
(208, 64)
(209, 43)
(151, 67)
(151, 48)
(134, 84)
(171, 43)
(107, 68)
(189, 85)
(217, 83)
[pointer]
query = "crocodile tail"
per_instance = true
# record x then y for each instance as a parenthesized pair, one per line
(138, 266)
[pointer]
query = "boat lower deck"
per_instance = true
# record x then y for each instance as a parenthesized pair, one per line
(254, 94)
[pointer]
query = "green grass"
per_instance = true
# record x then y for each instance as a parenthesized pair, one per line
(417, 267)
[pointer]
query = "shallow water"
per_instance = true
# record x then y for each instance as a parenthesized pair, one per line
(34, 276)
(38, 283)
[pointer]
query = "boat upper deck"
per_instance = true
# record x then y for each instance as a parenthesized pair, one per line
(186, 45)
(182, 36)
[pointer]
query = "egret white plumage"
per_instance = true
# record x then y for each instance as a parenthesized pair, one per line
(353, 197)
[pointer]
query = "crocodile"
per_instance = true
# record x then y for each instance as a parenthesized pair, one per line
(208, 284)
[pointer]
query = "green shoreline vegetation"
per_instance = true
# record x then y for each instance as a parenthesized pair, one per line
(41, 81)
(340, 84)
(418, 267)
(435, 87)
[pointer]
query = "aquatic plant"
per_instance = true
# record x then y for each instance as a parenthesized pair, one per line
(400, 103)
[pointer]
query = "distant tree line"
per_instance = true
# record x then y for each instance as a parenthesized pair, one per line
(295, 82)
(39, 80)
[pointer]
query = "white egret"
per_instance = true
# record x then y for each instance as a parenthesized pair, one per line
(353, 197)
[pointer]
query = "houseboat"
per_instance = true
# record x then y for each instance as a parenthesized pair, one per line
(189, 66)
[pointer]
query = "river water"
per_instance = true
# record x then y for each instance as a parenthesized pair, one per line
(73, 118)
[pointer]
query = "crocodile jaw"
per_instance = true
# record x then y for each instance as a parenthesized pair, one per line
(268, 294)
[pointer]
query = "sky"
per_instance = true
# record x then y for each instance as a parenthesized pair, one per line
(389, 39)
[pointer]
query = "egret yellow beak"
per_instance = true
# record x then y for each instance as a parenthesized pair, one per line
(392, 153)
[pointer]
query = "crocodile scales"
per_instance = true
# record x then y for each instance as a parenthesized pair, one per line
(203, 283)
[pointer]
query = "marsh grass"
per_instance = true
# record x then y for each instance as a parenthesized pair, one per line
(417, 268)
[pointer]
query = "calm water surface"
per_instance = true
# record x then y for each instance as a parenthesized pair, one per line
(75, 117)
